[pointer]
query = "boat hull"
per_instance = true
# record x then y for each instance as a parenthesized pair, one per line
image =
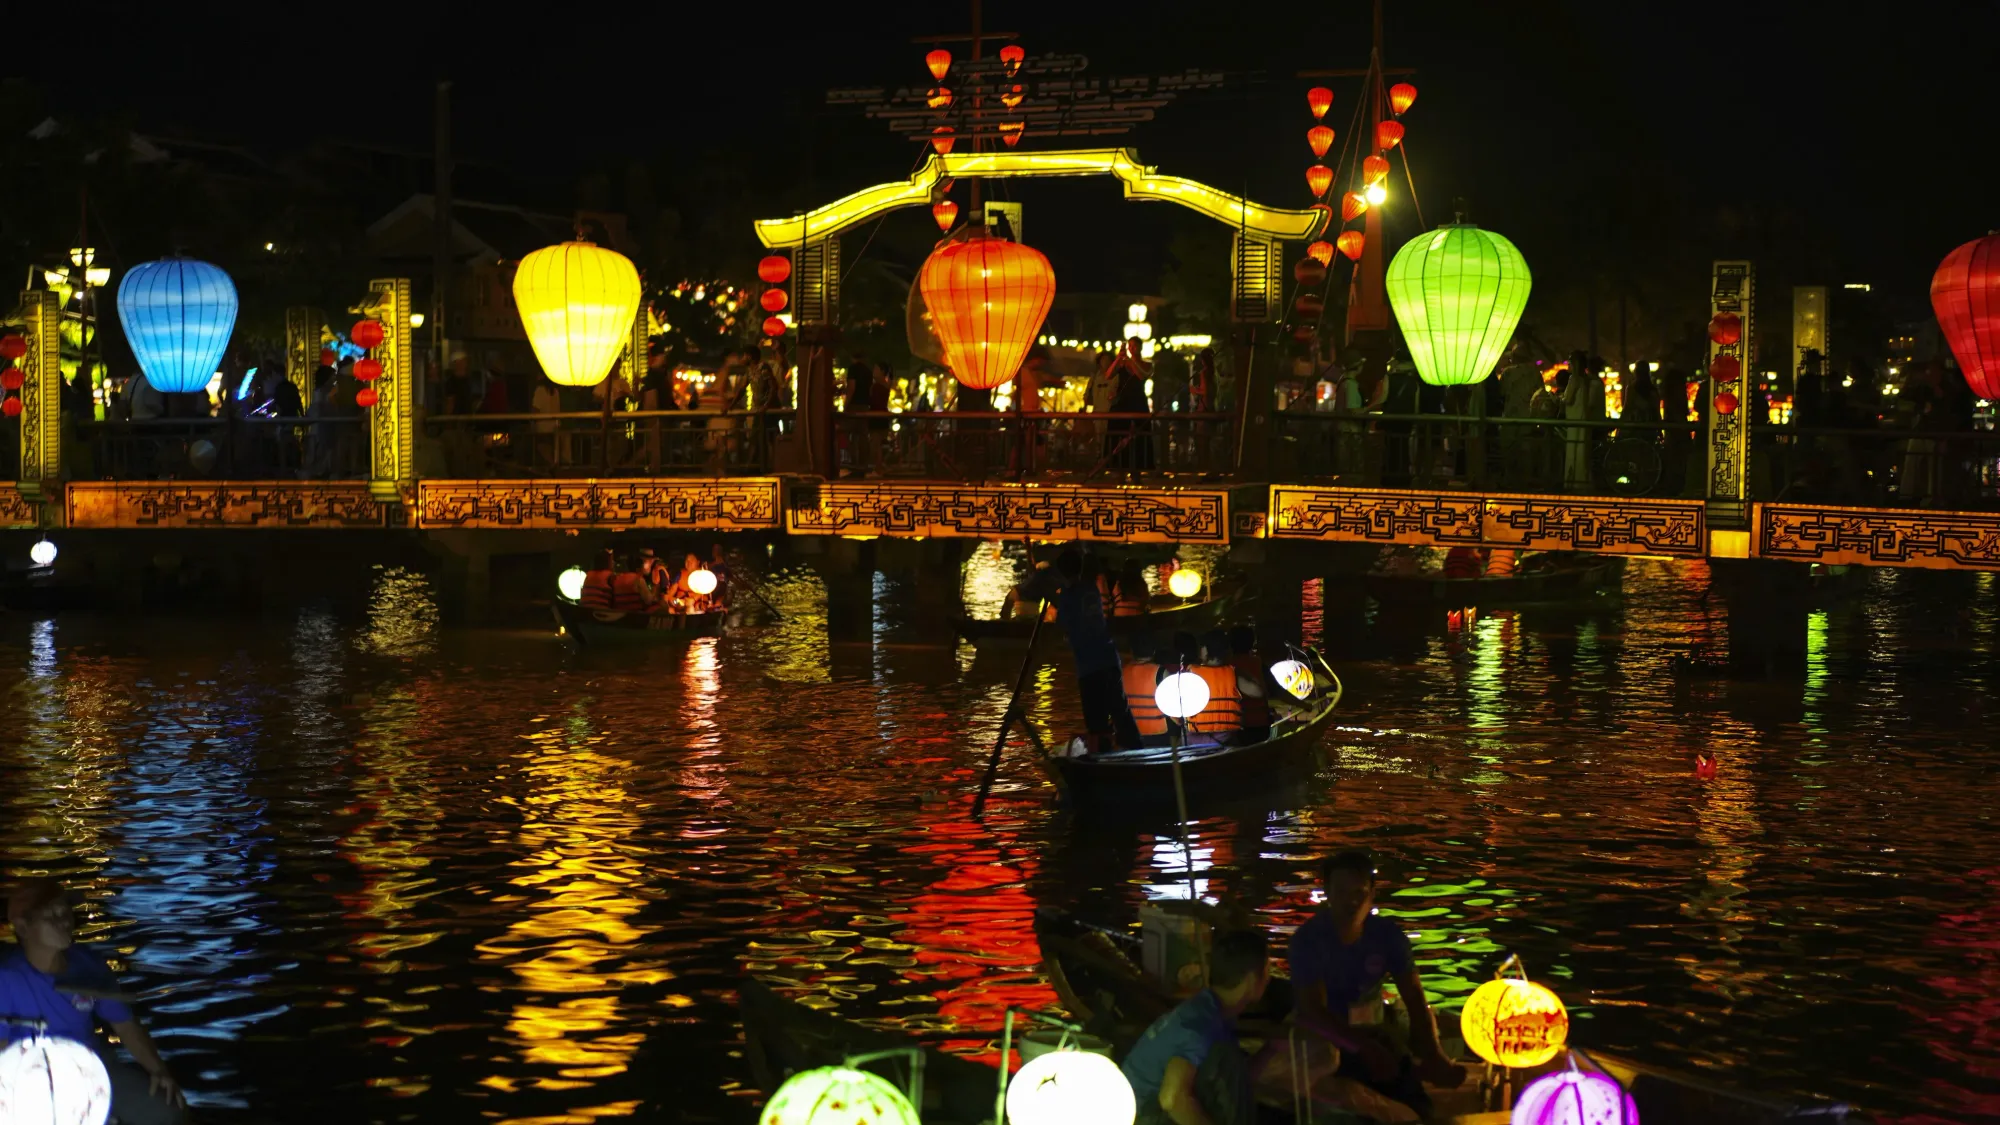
(597, 627)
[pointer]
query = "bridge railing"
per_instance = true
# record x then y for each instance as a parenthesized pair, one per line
(219, 449)
(590, 444)
(975, 445)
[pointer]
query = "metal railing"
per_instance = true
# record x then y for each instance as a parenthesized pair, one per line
(591, 443)
(974, 445)
(219, 449)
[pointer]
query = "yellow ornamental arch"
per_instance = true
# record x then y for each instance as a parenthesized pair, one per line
(577, 301)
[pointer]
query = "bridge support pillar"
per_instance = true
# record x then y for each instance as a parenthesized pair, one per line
(847, 568)
(1768, 602)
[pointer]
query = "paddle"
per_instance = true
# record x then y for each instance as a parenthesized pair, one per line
(1013, 703)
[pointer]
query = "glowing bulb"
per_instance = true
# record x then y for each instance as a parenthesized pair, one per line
(43, 553)
(1376, 193)
(702, 582)
(1180, 696)
(570, 584)
(1184, 583)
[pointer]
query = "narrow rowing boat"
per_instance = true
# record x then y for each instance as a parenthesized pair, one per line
(1166, 615)
(602, 627)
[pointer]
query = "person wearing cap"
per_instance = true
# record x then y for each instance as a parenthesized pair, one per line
(68, 989)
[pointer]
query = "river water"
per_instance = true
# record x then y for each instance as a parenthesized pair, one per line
(363, 868)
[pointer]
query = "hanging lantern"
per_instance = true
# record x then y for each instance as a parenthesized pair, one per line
(1374, 169)
(13, 347)
(11, 379)
(1319, 138)
(1725, 369)
(365, 397)
(1726, 403)
(570, 583)
(774, 326)
(987, 298)
(1010, 131)
(938, 61)
(945, 212)
(1514, 1022)
(1294, 677)
(1353, 205)
(1181, 695)
(43, 553)
(59, 1081)
(774, 269)
(1726, 330)
(326, 357)
(11, 407)
(1388, 134)
(1352, 243)
(837, 1095)
(1573, 1097)
(1308, 306)
(1011, 97)
(1375, 194)
(1319, 177)
(939, 98)
(367, 370)
(941, 139)
(1063, 1087)
(1319, 99)
(577, 302)
(177, 314)
(1965, 294)
(1401, 97)
(366, 334)
(1458, 293)
(1310, 271)
(1010, 59)
(1321, 252)
(774, 300)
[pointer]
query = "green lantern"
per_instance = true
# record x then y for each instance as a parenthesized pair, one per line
(1458, 292)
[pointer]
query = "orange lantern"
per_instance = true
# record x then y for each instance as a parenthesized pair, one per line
(774, 300)
(1319, 99)
(1374, 169)
(1353, 205)
(939, 61)
(1011, 97)
(1320, 138)
(1319, 177)
(1010, 59)
(987, 298)
(773, 270)
(940, 99)
(945, 212)
(1010, 131)
(941, 139)
(1321, 252)
(1351, 243)
(1310, 271)
(1388, 134)
(774, 326)
(1401, 97)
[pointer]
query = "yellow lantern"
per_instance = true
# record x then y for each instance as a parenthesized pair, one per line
(1514, 1022)
(1184, 583)
(577, 302)
(837, 1095)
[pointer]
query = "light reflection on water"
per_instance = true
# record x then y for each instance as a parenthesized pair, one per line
(405, 872)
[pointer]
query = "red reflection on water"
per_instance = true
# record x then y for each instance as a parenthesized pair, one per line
(1312, 615)
(1965, 1033)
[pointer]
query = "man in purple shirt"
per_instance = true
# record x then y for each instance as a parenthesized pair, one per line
(1339, 960)
(67, 988)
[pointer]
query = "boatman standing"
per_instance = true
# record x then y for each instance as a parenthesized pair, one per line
(1099, 682)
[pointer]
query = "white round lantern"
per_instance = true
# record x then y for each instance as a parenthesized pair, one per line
(42, 553)
(837, 1095)
(59, 1081)
(1181, 695)
(1294, 677)
(1070, 1088)
(702, 582)
(570, 584)
(1184, 583)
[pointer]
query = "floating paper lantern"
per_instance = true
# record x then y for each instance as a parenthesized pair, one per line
(1726, 330)
(1319, 138)
(59, 1081)
(1181, 695)
(987, 298)
(1321, 252)
(1319, 177)
(774, 269)
(1294, 677)
(1401, 97)
(1352, 243)
(1965, 294)
(1573, 1097)
(570, 583)
(1353, 205)
(1184, 583)
(177, 314)
(1374, 169)
(1319, 99)
(1513, 1022)
(702, 581)
(1458, 293)
(42, 553)
(1070, 1088)
(577, 302)
(939, 61)
(837, 1095)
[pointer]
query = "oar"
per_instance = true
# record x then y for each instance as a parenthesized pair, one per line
(1180, 797)
(1013, 701)
(759, 595)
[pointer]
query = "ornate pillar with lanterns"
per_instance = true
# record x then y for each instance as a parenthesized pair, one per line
(1732, 351)
(389, 393)
(36, 402)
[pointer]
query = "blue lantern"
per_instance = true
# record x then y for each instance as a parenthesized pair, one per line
(177, 314)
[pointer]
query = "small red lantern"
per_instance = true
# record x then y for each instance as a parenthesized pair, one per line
(11, 408)
(1010, 131)
(1374, 169)
(1388, 134)
(1319, 177)
(1353, 205)
(11, 379)
(326, 357)
(367, 370)
(774, 270)
(1320, 138)
(1725, 403)
(366, 397)
(1310, 271)
(1351, 243)
(941, 139)
(1321, 252)
(366, 334)
(1725, 369)
(1010, 59)
(938, 61)
(1319, 99)
(1726, 329)
(1704, 765)
(774, 300)
(13, 347)
(1309, 306)
(1011, 97)
(1401, 97)
(945, 212)
(773, 326)
(939, 98)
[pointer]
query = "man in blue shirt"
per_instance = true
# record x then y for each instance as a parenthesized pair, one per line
(1098, 682)
(1339, 960)
(1188, 1068)
(53, 981)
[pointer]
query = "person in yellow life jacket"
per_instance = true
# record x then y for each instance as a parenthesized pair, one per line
(597, 584)
(1224, 713)
(631, 593)
(1132, 591)
(1501, 562)
(1142, 678)
(1463, 562)
(1251, 680)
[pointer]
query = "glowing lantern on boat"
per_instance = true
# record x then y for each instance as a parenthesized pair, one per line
(1374, 169)
(987, 298)
(1353, 205)
(938, 61)
(1321, 252)
(1319, 177)
(1352, 243)
(1965, 294)
(1010, 59)
(1514, 1022)
(1319, 138)
(1573, 1097)
(1069, 1088)
(366, 333)
(774, 300)
(1401, 97)
(945, 212)
(1319, 99)
(1294, 677)
(177, 314)
(570, 583)
(1726, 329)
(1458, 293)
(1388, 134)
(1184, 583)
(942, 139)
(42, 553)
(1181, 695)
(59, 1081)
(577, 302)
(774, 269)
(837, 1095)
(702, 581)
(1725, 369)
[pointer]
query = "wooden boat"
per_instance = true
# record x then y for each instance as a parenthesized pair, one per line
(1166, 615)
(1209, 768)
(602, 627)
(1530, 584)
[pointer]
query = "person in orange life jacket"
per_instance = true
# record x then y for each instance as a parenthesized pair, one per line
(1463, 562)
(1099, 681)
(1132, 591)
(1183, 654)
(681, 596)
(1142, 679)
(1223, 717)
(1253, 681)
(631, 593)
(596, 592)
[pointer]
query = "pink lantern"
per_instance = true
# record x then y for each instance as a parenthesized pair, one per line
(1575, 1097)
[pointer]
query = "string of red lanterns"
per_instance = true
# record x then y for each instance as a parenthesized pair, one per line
(12, 348)
(367, 334)
(774, 270)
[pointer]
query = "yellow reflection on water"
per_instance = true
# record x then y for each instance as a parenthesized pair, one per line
(402, 613)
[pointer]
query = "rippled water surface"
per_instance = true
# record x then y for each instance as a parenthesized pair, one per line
(362, 868)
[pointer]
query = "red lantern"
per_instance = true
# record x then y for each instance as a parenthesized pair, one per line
(1304, 332)
(1320, 138)
(1726, 329)
(11, 379)
(1388, 134)
(1309, 306)
(945, 212)
(1374, 169)
(367, 370)
(326, 357)
(774, 300)
(1321, 252)
(13, 347)
(1725, 369)
(1351, 243)
(987, 297)
(939, 98)
(366, 397)
(11, 408)
(1704, 765)
(366, 334)
(1353, 205)
(941, 139)
(774, 270)
(1725, 403)
(1011, 97)
(1010, 59)
(773, 326)
(1965, 294)
(1310, 271)
(938, 61)
(1319, 99)
(1401, 97)
(1319, 177)
(1010, 131)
